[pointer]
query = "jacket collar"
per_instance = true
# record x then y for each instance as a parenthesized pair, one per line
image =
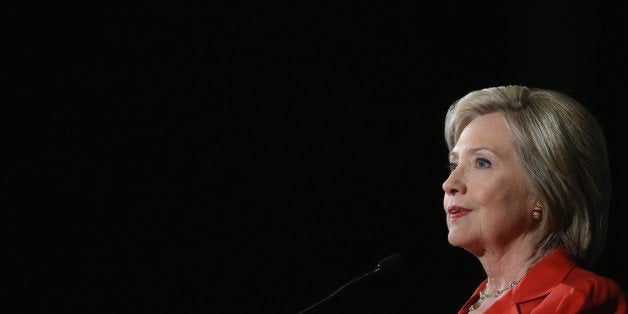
(544, 276)
(537, 283)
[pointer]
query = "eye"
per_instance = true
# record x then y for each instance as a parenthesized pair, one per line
(452, 166)
(482, 162)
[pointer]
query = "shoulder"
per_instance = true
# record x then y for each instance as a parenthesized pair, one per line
(586, 281)
(584, 289)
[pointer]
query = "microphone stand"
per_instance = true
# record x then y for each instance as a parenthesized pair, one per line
(389, 264)
(357, 279)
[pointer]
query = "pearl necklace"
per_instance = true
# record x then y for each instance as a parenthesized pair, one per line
(484, 295)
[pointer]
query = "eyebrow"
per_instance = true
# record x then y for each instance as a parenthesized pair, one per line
(475, 150)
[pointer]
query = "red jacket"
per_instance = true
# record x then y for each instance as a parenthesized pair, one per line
(557, 285)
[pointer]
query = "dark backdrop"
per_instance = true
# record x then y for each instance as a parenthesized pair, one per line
(252, 158)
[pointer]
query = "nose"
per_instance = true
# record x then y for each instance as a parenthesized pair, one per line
(454, 183)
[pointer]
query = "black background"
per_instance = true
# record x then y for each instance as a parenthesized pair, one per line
(252, 158)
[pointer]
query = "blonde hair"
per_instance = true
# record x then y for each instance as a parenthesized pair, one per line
(563, 150)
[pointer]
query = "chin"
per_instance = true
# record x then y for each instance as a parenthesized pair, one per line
(452, 240)
(457, 239)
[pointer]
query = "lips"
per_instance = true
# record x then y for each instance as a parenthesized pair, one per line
(456, 211)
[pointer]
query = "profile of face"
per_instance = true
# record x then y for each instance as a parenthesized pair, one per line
(486, 200)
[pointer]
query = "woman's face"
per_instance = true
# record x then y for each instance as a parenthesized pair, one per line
(486, 200)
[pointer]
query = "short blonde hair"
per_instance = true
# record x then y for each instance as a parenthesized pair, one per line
(563, 150)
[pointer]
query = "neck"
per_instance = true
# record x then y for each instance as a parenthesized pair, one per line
(507, 266)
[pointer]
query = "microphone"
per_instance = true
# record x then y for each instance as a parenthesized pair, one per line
(388, 265)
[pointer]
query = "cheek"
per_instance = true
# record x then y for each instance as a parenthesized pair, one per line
(510, 202)
(497, 188)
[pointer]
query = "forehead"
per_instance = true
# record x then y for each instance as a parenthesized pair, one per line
(488, 131)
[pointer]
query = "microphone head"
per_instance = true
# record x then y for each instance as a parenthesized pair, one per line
(391, 264)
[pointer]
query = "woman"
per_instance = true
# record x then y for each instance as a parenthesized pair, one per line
(528, 195)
